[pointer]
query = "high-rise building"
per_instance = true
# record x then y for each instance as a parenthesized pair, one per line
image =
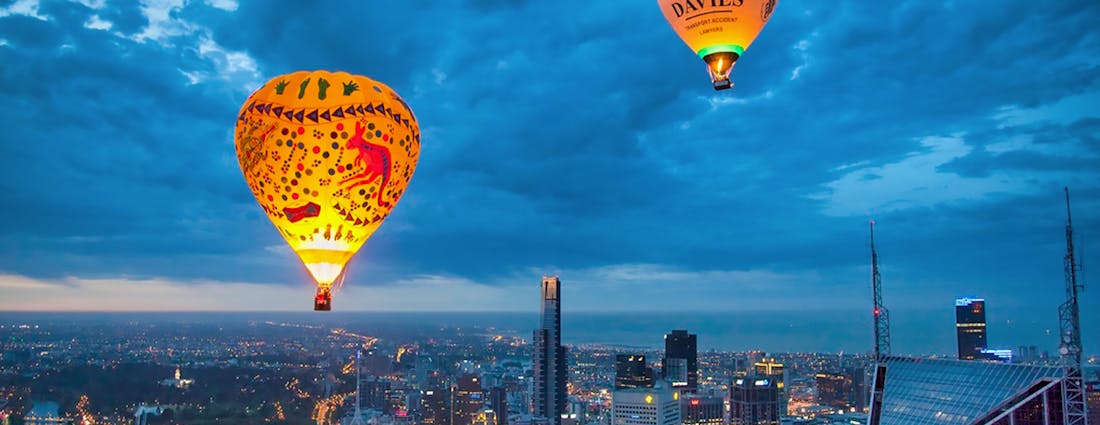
(700, 410)
(631, 371)
(435, 400)
(681, 345)
(842, 390)
(467, 399)
(769, 368)
(659, 405)
(676, 373)
(549, 356)
(832, 389)
(754, 400)
(970, 326)
(857, 398)
(498, 402)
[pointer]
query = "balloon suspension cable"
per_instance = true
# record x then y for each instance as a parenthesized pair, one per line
(339, 283)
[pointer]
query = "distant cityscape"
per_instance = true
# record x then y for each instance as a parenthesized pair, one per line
(120, 369)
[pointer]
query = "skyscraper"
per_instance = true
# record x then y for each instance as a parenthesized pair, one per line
(769, 368)
(467, 398)
(435, 400)
(754, 400)
(970, 326)
(631, 371)
(498, 402)
(833, 389)
(842, 390)
(681, 345)
(549, 356)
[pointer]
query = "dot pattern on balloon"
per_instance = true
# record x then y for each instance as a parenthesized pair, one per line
(327, 165)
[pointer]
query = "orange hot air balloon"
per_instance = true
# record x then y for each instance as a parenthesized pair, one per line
(327, 156)
(719, 31)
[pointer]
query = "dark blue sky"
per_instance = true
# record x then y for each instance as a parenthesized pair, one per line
(579, 138)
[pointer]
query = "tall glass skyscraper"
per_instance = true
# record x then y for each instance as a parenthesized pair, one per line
(549, 356)
(970, 326)
(681, 345)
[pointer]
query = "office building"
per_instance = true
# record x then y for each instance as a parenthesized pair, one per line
(754, 400)
(632, 371)
(549, 356)
(467, 399)
(832, 389)
(773, 370)
(860, 392)
(659, 405)
(498, 402)
(700, 410)
(910, 391)
(435, 406)
(970, 327)
(681, 345)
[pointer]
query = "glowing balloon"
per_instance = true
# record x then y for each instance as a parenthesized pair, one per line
(327, 156)
(719, 31)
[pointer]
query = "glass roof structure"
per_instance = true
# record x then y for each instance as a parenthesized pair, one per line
(947, 392)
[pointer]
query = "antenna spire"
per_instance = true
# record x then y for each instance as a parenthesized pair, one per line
(358, 419)
(1069, 317)
(881, 314)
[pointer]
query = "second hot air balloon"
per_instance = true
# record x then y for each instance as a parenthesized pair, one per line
(327, 156)
(719, 31)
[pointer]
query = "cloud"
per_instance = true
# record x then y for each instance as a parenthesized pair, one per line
(584, 137)
(23, 7)
(915, 182)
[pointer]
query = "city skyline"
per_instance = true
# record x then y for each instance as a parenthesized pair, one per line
(651, 197)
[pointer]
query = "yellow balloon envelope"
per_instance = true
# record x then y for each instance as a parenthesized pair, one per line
(719, 31)
(327, 156)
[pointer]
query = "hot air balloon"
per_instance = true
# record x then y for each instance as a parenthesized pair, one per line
(719, 31)
(327, 156)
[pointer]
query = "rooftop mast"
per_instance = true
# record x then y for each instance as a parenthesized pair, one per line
(1069, 315)
(881, 314)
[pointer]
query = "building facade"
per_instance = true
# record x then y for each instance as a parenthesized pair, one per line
(467, 399)
(681, 345)
(550, 370)
(699, 410)
(632, 371)
(769, 368)
(659, 405)
(754, 400)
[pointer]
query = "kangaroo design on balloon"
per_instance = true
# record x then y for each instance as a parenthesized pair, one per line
(374, 160)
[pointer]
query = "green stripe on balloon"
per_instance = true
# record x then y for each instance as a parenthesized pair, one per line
(721, 48)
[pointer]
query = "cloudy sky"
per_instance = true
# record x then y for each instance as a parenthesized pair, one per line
(572, 138)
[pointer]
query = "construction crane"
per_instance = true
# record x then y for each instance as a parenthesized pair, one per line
(1069, 315)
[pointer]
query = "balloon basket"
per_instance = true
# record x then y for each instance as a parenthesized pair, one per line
(323, 301)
